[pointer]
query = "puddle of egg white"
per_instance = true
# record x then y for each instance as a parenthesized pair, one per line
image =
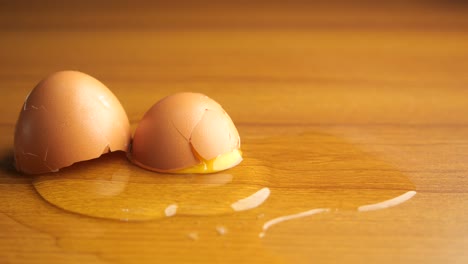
(125, 192)
(112, 188)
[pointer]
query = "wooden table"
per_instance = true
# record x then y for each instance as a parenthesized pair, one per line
(353, 120)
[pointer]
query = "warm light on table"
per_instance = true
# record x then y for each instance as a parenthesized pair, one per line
(353, 120)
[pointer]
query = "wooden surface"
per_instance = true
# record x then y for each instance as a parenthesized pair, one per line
(338, 106)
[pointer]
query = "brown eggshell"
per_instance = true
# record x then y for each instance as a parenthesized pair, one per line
(178, 127)
(68, 117)
(213, 136)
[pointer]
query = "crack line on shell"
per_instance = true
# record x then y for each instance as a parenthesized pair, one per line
(180, 133)
(36, 156)
(203, 115)
(190, 139)
(50, 168)
(192, 147)
(34, 108)
(193, 128)
(29, 153)
(195, 154)
(46, 153)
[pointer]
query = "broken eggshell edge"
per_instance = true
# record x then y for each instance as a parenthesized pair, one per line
(67, 118)
(180, 131)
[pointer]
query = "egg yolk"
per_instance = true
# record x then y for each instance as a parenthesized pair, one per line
(222, 162)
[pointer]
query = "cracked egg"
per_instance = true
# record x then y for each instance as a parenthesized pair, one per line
(68, 117)
(186, 133)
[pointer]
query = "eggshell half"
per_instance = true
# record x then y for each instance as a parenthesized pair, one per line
(68, 117)
(180, 130)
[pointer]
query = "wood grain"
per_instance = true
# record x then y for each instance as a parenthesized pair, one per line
(338, 105)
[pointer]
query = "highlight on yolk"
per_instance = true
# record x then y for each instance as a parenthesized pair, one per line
(222, 162)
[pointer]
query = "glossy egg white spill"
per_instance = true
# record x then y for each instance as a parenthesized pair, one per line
(113, 188)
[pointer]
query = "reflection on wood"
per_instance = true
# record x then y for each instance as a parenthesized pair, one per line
(338, 106)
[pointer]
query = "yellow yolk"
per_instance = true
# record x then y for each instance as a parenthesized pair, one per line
(222, 162)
